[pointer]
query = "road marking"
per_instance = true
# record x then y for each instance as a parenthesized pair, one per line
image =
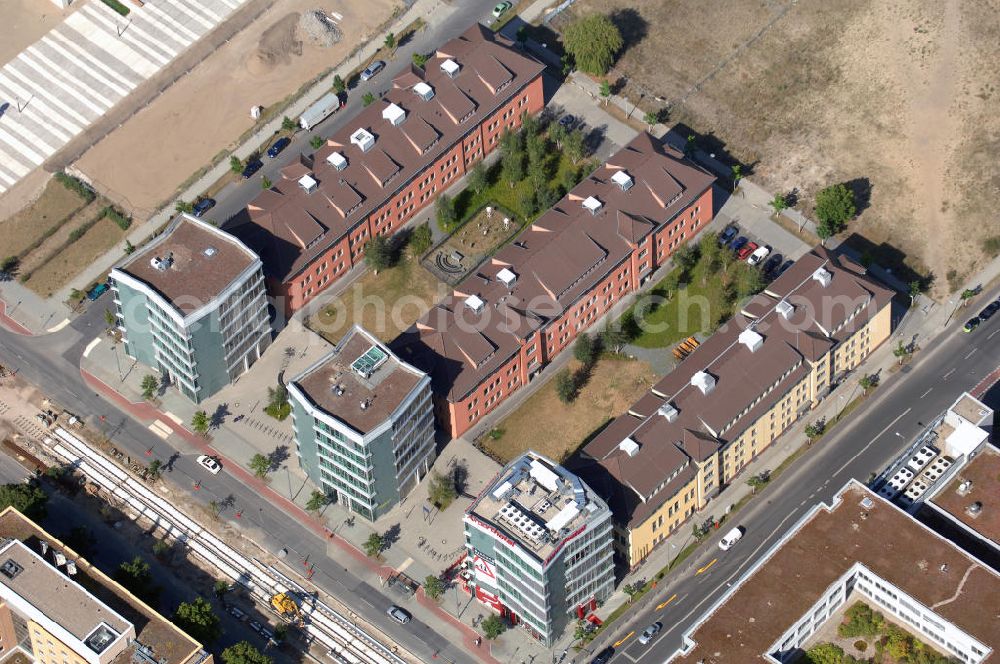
(406, 563)
(704, 569)
(91, 346)
(624, 638)
(872, 441)
(993, 334)
(926, 393)
(659, 607)
(60, 326)
(174, 417)
(160, 429)
(948, 374)
(971, 352)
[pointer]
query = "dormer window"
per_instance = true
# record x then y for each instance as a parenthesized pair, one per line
(623, 180)
(423, 91)
(363, 139)
(475, 303)
(450, 67)
(308, 183)
(592, 204)
(337, 160)
(393, 114)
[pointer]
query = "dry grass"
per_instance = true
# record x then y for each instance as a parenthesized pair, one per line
(385, 304)
(55, 242)
(50, 209)
(545, 424)
(61, 268)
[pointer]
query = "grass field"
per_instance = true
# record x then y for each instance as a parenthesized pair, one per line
(24, 229)
(385, 304)
(545, 424)
(65, 265)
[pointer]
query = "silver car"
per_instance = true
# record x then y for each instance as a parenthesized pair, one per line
(402, 616)
(371, 70)
(650, 632)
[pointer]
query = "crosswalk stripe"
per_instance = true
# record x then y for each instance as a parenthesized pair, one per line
(115, 47)
(97, 69)
(36, 112)
(74, 119)
(203, 8)
(181, 7)
(166, 18)
(132, 35)
(19, 146)
(40, 63)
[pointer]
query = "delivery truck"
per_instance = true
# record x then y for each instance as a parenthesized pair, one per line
(326, 106)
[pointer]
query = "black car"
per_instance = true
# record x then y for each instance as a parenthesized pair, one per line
(278, 146)
(251, 168)
(772, 263)
(728, 234)
(604, 656)
(203, 206)
(988, 312)
(738, 243)
(784, 266)
(567, 121)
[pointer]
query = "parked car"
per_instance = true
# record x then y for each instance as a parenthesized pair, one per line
(738, 243)
(648, 633)
(988, 312)
(746, 250)
(971, 324)
(97, 291)
(256, 626)
(727, 235)
(235, 612)
(400, 615)
(267, 634)
(759, 254)
(210, 464)
(784, 266)
(372, 70)
(501, 9)
(772, 263)
(251, 168)
(203, 206)
(278, 146)
(731, 538)
(567, 121)
(604, 656)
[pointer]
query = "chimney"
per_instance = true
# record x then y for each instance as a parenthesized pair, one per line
(751, 340)
(623, 180)
(703, 381)
(507, 277)
(363, 139)
(668, 411)
(785, 309)
(308, 183)
(629, 447)
(450, 67)
(823, 277)
(394, 114)
(592, 204)
(336, 160)
(423, 91)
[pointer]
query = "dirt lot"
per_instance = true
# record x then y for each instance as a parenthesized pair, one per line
(892, 96)
(25, 22)
(55, 204)
(205, 112)
(54, 274)
(55, 242)
(545, 424)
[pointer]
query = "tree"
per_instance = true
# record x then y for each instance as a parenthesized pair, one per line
(966, 296)
(605, 91)
(779, 203)
(834, 208)
(433, 586)
(915, 289)
(737, 175)
(129, 248)
(390, 41)
(633, 589)
(244, 653)
(584, 349)
(758, 481)
(288, 124)
(420, 59)
(260, 465)
(154, 468)
(901, 351)
(200, 422)
(317, 499)
(615, 337)
(593, 41)
(815, 429)
(265, 183)
(511, 158)
(575, 145)
(316, 141)
(220, 588)
(565, 386)
(867, 382)
(280, 633)
(277, 396)
(583, 631)
(183, 207)
(492, 626)
(338, 84)
(685, 258)
(28, 499)
(135, 576)
(149, 385)
(421, 239)
(447, 216)
(236, 164)
(478, 178)
(527, 202)
(378, 253)
(368, 99)
(9, 264)
(651, 118)
(198, 620)
(109, 317)
(374, 545)
(441, 489)
(690, 145)
(825, 653)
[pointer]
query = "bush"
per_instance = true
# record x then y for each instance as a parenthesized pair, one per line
(421, 239)
(860, 620)
(76, 185)
(77, 233)
(991, 245)
(492, 627)
(117, 6)
(114, 215)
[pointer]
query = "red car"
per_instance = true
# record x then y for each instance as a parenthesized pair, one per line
(746, 250)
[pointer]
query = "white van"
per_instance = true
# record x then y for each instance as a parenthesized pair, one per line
(731, 538)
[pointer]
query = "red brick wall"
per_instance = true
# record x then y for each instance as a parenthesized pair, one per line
(687, 224)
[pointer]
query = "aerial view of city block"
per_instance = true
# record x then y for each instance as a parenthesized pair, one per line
(479, 332)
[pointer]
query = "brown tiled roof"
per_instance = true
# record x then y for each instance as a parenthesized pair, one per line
(382, 392)
(203, 262)
(278, 228)
(561, 256)
(748, 383)
(795, 574)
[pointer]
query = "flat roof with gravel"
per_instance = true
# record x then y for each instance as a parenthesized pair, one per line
(983, 474)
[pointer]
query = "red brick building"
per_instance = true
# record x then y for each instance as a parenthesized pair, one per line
(389, 162)
(531, 299)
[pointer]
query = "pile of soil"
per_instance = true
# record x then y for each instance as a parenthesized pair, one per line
(277, 45)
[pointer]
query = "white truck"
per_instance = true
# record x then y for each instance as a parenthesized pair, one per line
(321, 110)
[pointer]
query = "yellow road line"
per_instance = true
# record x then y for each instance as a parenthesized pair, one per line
(660, 606)
(706, 567)
(624, 639)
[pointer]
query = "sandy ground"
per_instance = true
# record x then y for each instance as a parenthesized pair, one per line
(205, 112)
(893, 96)
(26, 21)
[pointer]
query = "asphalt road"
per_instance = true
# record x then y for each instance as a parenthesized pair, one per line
(871, 438)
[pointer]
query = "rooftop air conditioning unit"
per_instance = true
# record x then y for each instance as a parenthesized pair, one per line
(623, 180)
(668, 411)
(823, 277)
(423, 91)
(475, 303)
(337, 160)
(363, 139)
(394, 114)
(629, 447)
(703, 381)
(308, 183)
(507, 277)
(785, 309)
(450, 67)
(592, 204)
(751, 339)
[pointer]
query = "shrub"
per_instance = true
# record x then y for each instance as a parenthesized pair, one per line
(860, 620)
(433, 586)
(421, 239)
(368, 99)
(117, 6)
(492, 627)
(861, 645)
(76, 185)
(77, 233)
(991, 245)
(120, 219)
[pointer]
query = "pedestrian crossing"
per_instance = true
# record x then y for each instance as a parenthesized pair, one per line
(61, 84)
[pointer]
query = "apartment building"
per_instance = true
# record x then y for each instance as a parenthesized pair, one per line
(389, 162)
(858, 549)
(191, 304)
(699, 426)
(531, 299)
(539, 551)
(55, 608)
(363, 423)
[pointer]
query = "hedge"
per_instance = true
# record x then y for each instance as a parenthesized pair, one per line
(117, 6)
(117, 217)
(76, 185)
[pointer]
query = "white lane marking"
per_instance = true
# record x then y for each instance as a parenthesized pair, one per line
(160, 429)
(993, 334)
(971, 352)
(926, 393)
(56, 328)
(406, 563)
(871, 442)
(91, 346)
(948, 374)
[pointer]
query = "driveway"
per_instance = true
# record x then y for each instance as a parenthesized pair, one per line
(605, 134)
